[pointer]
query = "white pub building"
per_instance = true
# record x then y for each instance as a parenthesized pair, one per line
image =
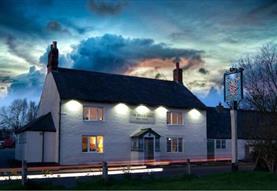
(86, 117)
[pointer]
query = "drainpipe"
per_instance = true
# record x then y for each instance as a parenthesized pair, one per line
(59, 153)
(42, 154)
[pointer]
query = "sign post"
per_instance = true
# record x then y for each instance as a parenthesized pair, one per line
(233, 93)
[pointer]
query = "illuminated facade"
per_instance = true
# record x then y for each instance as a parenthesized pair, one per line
(99, 117)
(92, 131)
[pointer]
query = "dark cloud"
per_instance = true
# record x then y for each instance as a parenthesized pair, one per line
(15, 18)
(112, 53)
(28, 85)
(203, 71)
(22, 50)
(268, 8)
(55, 26)
(104, 7)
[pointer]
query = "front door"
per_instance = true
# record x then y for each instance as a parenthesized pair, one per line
(148, 148)
(210, 146)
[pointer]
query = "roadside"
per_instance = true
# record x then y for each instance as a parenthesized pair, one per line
(168, 171)
(219, 181)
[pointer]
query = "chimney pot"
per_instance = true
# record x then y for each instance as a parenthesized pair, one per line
(178, 73)
(53, 58)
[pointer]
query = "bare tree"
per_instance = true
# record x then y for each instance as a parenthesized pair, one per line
(260, 79)
(16, 115)
(260, 85)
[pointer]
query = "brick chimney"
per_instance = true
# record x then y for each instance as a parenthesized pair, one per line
(53, 58)
(178, 73)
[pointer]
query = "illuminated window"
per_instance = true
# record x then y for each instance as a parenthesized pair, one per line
(93, 144)
(174, 144)
(220, 144)
(174, 118)
(93, 114)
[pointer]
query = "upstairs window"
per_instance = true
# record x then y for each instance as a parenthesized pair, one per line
(93, 144)
(220, 144)
(93, 114)
(174, 118)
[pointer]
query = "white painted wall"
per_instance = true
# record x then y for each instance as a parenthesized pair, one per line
(227, 152)
(49, 102)
(20, 147)
(31, 151)
(117, 129)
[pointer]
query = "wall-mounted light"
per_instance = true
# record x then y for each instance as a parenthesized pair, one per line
(161, 111)
(121, 108)
(73, 106)
(194, 114)
(142, 109)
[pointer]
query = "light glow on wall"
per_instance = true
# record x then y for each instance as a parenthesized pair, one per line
(161, 111)
(142, 109)
(122, 109)
(194, 114)
(73, 106)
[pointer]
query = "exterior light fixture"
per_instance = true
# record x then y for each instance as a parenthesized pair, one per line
(73, 106)
(194, 114)
(161, 111)
(142, 109)
(121, 108)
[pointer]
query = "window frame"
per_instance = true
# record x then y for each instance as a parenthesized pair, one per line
(179, 113)
(220, 144)
(88, 144)
(178, 150)
(97, 118)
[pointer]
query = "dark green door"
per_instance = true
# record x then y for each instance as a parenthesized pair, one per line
(210, 147)
(148, 148)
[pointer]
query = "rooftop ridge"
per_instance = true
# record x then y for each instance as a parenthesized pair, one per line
(112, 74)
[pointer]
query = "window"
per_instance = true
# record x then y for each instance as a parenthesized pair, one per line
(93, 114)
(21, 139)
(174, 144)
(220, 144)
(174, 118)
(137, 144)
(93, 144)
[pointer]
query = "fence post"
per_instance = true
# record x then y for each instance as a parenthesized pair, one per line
(24, 173)
(105, 170)
(188, 167)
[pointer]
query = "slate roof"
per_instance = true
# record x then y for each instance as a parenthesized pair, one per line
(142, 132)
(112, 88)
(249, 123)
(43, 123)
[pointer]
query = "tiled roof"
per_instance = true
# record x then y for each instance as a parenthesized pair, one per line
(43, 123)
(113, 88)
(250, 123)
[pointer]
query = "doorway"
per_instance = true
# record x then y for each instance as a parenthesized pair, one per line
(148, 148)
(210, 147)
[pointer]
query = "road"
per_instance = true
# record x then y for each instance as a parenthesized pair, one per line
(6, 158)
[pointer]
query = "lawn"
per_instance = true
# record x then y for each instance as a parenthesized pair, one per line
(230, 181)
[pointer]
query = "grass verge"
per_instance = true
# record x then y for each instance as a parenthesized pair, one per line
(226, 181)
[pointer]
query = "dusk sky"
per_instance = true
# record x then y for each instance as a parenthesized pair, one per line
(135, 37)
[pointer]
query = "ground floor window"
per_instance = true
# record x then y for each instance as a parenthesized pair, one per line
(174, 144)
(21, 139)
(137, 144)
(93, 144)
(220, 144)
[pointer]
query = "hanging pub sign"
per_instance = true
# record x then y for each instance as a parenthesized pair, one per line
(233, 85)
